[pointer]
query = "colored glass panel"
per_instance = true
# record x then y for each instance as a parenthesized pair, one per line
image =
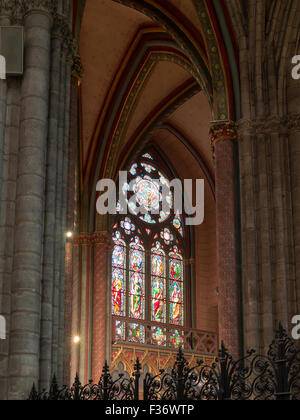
(137, 281)
(148, 168)
(120, 331)
(158, 284)
(118, 292)
(137, 296)
(136, 334)
(176, 339)
(176, 270)
(148, 156)
(158, 300)
(128, 226)
(147, 194)
(167, 236)
(158, 264)
(136, 260)
(118, 256)
(158, 336)
(176, 294)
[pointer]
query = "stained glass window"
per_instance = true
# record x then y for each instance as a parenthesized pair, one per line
(148, 156)
(167, 236)
(176, 287)
(158, 286)
(137, 280)
(136, 333)
(147, 261)
(128, 226)
(119, 276)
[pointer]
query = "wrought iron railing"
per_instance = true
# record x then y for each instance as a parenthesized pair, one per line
(275, 376)
(150, 334)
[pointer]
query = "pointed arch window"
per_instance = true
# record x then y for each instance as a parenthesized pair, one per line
(148, 276)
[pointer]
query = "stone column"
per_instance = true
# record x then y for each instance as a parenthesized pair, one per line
(5, 149)
(26, 284)
(72, 211)
(3, 103)
(76, 309)
(223, 137)
(294, 144)
(101, 247)
(64, 206)
(7, 219)
(294, 127)
(50, 220)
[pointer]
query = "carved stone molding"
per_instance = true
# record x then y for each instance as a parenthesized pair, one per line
(12, 9)
(270, 125)
(49, 6)
(61, 30)
(293, 122)
(17, 9)
(102, 238)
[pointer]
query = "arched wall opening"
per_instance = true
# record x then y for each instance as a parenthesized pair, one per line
(151, 78)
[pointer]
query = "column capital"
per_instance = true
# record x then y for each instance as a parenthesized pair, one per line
(17, 9)
(11, 9)
(294, 122)
(46, 6)
(61, 30)
(222, 130)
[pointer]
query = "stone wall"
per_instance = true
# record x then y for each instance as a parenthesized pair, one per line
(34, 150)
(268, 139)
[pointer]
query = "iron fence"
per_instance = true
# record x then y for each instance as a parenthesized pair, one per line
(275, 376)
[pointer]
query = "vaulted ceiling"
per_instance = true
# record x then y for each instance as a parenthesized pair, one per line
(139, 87)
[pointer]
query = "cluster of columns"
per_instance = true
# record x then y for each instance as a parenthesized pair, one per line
(91, 305)
(34, 150)
(268, 139)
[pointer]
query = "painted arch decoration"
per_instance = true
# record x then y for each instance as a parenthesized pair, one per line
(206, 60)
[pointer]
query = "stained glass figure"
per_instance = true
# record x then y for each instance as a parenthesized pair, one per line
(118, 290)
(176, 288)
(118, 276)
(158, 275)
(137, 280)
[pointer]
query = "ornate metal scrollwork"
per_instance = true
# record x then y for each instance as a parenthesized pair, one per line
(275, 376)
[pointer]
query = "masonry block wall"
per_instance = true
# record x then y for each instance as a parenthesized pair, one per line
(34, 119)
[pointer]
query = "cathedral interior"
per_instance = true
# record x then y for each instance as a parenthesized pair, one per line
(161, 89)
